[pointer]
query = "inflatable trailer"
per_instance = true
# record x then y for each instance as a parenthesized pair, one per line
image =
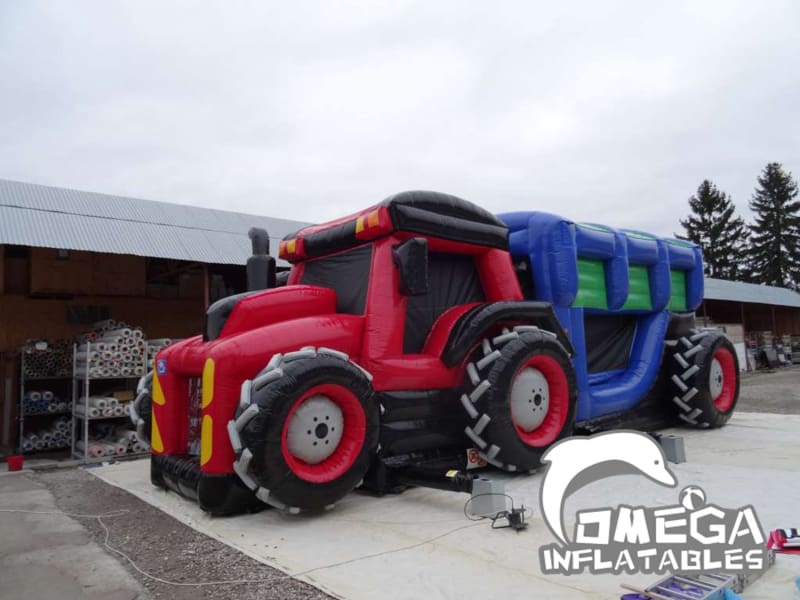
(423, 336)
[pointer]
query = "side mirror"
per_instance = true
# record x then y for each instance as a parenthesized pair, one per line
(411, 259)
(282, 278)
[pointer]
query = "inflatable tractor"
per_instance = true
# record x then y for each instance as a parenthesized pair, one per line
(420, 333)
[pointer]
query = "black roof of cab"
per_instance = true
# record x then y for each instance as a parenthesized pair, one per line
(427, 213)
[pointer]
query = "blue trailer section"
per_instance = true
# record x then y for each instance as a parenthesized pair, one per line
(613, 291)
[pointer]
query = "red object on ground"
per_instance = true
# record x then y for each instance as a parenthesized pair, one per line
(778, 539)
(15, 462)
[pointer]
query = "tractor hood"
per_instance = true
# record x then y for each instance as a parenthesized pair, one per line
(242, 312)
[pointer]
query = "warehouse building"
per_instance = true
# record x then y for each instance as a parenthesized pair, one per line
(755, 307)
(763, 319)
(70, 258)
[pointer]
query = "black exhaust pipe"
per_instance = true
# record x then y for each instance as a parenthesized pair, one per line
(260, 266)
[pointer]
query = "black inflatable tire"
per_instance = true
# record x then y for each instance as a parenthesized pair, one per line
(695, 360)
(266, 459)
(142, 416)
(489, 397)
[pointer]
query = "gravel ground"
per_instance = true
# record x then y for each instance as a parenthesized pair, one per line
(170, 550)
(775, 392)
(166, 548)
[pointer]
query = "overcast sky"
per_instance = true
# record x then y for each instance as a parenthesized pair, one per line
(610, 112)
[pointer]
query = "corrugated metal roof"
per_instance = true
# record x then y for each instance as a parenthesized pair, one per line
(737, 291)
(43, 216)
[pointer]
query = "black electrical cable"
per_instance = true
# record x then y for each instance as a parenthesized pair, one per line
(503, 514)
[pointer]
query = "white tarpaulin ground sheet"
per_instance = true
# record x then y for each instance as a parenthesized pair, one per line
(419, 545)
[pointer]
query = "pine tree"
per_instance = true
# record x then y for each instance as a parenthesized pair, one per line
(715, 228)
(775, 235)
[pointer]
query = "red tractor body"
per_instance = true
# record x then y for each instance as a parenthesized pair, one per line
(401, 338)
(286, 319)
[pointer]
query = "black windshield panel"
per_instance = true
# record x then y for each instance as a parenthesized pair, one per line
(347, 274)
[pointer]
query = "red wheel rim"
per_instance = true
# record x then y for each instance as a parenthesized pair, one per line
(353, 436)
(547, 432)
(724, 400)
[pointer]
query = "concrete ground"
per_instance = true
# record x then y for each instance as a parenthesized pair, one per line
(52, 555)
(55, 556)
(46, 556)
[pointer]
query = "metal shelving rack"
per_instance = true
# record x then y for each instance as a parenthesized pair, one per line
(82, 381)
(57, 380)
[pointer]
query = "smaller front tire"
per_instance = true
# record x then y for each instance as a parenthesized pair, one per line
(308, 430)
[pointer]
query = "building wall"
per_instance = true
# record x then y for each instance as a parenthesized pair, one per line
(757, 317)
(42, 294)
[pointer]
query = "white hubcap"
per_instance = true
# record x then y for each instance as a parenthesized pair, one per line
(715, 379)
(530, 399)
(315, 429)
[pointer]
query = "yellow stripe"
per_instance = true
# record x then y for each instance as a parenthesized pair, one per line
(208, 382)
(158, 393)
(359, 224)
(155, 435)
(205, 440)
(374, 218)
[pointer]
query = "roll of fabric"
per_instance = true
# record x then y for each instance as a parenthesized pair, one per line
(94, 450)
(106, 324)
(126, 434)
(98, 402)
(93, 412)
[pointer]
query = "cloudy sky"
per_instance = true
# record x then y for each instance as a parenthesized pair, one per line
(610, 112)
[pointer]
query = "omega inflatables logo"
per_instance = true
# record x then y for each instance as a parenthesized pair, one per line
(690, 536)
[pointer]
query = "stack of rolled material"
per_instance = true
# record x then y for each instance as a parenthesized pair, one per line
(101, 407)
(43, 401)
(112, 441)
(111, 349)
(53, 437)
(45, 359)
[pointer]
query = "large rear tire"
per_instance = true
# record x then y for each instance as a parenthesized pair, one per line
(306, 430)
(704, 379)
(520, 397)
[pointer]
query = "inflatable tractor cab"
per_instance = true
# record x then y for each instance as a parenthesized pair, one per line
(423, 336)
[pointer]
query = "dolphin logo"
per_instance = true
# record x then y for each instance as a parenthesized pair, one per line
(578, 461)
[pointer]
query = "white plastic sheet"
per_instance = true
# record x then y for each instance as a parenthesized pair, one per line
(419, 545)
